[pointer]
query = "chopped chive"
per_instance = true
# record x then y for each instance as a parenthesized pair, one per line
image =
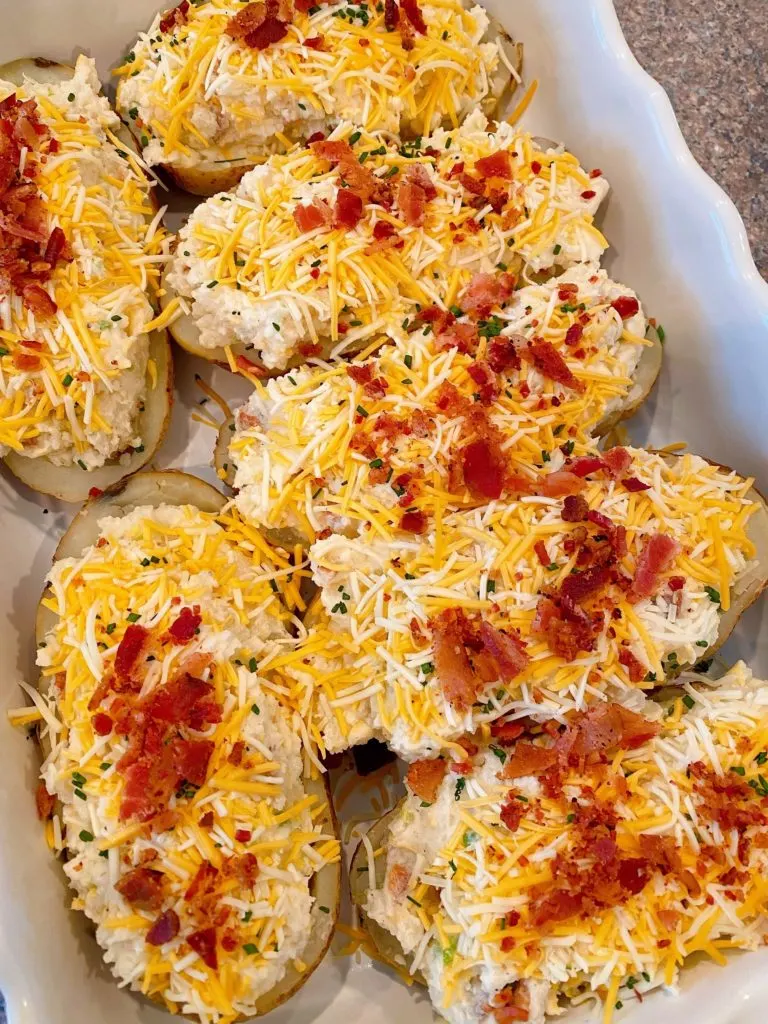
(252, 665)
(460, 787)
(738, 769)
(688, 701)
(712, 594)
(86, 836)
(67, 380)
(133, 617)
(250, 949)
(255, 709)
(361, 411)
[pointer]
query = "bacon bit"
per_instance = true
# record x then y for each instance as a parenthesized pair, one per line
(203, 883)
(165, 928)
(410, 9)
(509, 1014)
(676, 583)
(236, 753)
(315, 43)
(246, 869)
(204, 942)
(485, 291)
(95, 492)
(512, 812)
(44, 802)
(25, 362)
(397, 881)
(578, 586)
(452, 665)
(348, 211)
(376, 387)
(207, 820)
(588, 194)
(414, 522)
(626, 306)
(483, 470)
(260, 24)
(191, 759)
(142, 888)
(382, 230)
(359, 179)
(575, 509)
(506, 649)
(596, 173)
(631, 483)
(177, 16)
(102, 724)
(617, 461)
(57, 248)
(503, 355)
(586, 464)
(483, 376)
(315, 137)
(495, 165)
(243, 835)
(506, 733)
(728, 799)
(423, 778)
(549, 363)
(129, 651)
(311, 216)
(573, 334)
(541, 552)
(413, 193)
(566, 638)
(463, 337)
(635, 668)
(657, 555)
(561, 483)
(391, 15)
(183, 629)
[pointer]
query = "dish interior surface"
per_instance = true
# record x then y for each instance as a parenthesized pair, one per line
(676, 239)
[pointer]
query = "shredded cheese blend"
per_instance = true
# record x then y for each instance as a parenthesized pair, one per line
(75, 393)
(249, 276)
(368, 667)
(536, 892)
(196, 95)
(309, 456)
(192, 815)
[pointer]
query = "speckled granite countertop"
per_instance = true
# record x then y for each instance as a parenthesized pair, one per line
(691, 47)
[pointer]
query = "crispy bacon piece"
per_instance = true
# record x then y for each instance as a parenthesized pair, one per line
(452, 665)
(656, 556)
(495, 165)
(57, 248)
(245, 867)
(529, 759)
(364, 375)
(512, 812)
(618, 460)
(315, 43)
(579, 586)
(424, 777)
(246, 365)
(575, 509)
(631, 483)
(507, 650)
(484, 469)
(560, 483)
(635, 668)
(359, 179)
(626, 306)
(102, 724)
(509, 1014)
(484, 377)
(391, 15)
(485, 291)
(203, 943)
(503, 355)
(414, 521)
(186, 625)
(164, 929)
(203, 884)
(38, 301)
(413, 193)
(129, 651)
(586, 464)
(259, 25)
(177, 16)
(348, 209)
(464, 337)
(44, 802)
(410, 9)
(184, 700)
(26, 362)
(549, 363)
(311, 216)
(506, 733)
(191, 759)
(728, 799)
(605, 726)
(142, 888)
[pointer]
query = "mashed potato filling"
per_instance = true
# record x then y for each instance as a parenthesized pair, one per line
(197, 95)
(74, 394)
(309, 452)
(534, 607)
(252, 274)
(533, 890)
(185, 805)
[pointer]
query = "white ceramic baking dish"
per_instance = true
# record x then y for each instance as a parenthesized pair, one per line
(676, 238)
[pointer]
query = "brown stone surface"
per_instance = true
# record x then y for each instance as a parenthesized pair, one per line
(711, 56)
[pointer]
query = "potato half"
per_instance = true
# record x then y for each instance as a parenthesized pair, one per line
(177, 488)
(208, 177)
(71, 483)
(385, 942)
